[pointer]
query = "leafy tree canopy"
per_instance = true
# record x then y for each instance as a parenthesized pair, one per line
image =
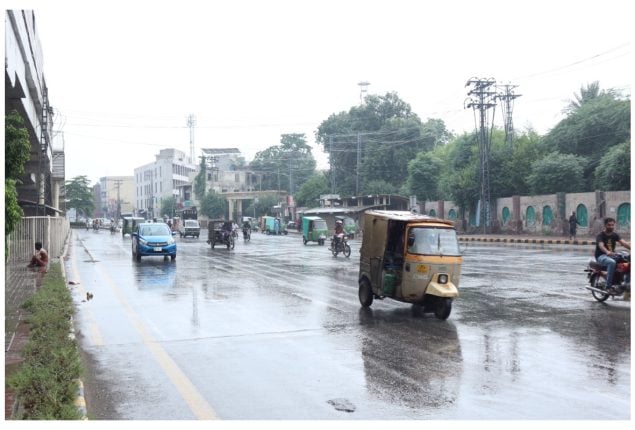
(557, 173)
(79, 195)
(285, 166)
(200, 180)
(168, 206)
(614, 169)
(17, 146)
(309, 193)
(214, 206)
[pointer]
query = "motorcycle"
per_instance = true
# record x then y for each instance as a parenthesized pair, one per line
(596, 275)
(340, 244)
(246, 234)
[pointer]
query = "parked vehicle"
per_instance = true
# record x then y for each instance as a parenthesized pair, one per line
(349, 226)
(190, 227)
(410, 258)
(153, 239)
(220, 232)
(314, 229)
(130, 223)
(621, 278)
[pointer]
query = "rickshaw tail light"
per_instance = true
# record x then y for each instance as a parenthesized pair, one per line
(443, 279)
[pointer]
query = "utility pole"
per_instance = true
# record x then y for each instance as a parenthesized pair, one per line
(481, 98)
(118, 183)
(191, 123)
(507, 96)
(331, 164)
(359, 162)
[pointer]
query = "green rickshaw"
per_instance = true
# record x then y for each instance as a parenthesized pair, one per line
(314, 229)
(129, 224)
(273, 225)
(349, 226)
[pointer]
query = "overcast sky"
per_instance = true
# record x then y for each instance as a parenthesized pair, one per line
(124, 76)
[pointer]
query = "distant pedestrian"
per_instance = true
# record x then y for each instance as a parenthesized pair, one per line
(40, 258)
(573, 225)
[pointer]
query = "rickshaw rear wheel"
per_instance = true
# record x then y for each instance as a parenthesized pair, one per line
(304, 240)
(365, 293)
(442, 308)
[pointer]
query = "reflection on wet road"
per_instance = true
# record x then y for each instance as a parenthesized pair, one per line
(273, 330)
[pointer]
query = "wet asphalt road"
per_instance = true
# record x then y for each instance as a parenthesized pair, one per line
(273, 330)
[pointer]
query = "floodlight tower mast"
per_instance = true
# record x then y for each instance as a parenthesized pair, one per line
(363, 89)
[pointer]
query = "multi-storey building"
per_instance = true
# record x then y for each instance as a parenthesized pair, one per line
(40, 189)
(225, 171)
(159, 180)
(117, 195)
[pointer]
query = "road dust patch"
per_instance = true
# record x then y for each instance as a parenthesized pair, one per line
(342, 405)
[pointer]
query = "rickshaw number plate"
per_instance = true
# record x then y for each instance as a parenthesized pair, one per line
(157, 249)
(422, 269)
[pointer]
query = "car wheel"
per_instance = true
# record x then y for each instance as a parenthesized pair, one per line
(365, 293)
(138, 256)
(172, 257)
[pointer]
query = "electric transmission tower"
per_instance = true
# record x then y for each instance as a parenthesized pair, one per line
(191, 123)
(507, 96)
(482, 98)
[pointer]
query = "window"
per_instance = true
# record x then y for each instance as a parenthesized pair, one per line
(581, 214)
(432, 212)
(547, 215)
(506, 215)
(531, 216)
(452, 214)
(624, 216)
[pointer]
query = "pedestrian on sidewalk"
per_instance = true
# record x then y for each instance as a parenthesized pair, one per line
(573, 225)
(40, 257)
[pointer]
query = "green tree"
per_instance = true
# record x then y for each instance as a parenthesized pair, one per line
(17, 146)
(598, 123)
(588, 94)
(385, 133)
(379, 186)
(168, 206)
(423, 176)
(16, 151)
(79, 195)
(309, 193)
(285, 166)
(557, 173)
(200, 180)
(614, 169)
(214, 206)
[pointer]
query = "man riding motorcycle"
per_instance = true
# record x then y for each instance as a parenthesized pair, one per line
(338, 235)
(605, 252)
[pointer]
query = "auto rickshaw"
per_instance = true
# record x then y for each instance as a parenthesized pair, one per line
(314, 229)
(219, 231)
(273, 225)
(129, 224)
(410, 258)
(349, 225)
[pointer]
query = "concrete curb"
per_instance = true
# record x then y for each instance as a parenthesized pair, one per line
(525, 240)
(80, 401)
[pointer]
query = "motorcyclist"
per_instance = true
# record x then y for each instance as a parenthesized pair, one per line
(606, 242)
(338, 234)
(227, 229)
(246, 228)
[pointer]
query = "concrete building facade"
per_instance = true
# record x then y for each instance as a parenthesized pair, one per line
(116, 195)
(40, 191)
(159, 180)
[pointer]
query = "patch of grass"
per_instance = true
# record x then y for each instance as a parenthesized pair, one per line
(46, 382)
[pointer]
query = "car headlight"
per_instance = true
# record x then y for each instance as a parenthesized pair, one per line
(443, 279)
(143, 242)
(171, 241)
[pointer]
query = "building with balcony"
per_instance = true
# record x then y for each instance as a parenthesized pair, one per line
(159, 180)
(40, 190)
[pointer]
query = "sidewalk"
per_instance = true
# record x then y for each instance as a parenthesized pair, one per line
(20, 283)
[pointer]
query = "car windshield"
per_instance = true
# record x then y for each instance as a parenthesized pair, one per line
(191, 223)
(433, 241)
(320, 224)
(154, 230)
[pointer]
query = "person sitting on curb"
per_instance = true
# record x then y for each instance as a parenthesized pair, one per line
(40, 258)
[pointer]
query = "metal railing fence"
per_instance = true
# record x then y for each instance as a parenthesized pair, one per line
(51, 231)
